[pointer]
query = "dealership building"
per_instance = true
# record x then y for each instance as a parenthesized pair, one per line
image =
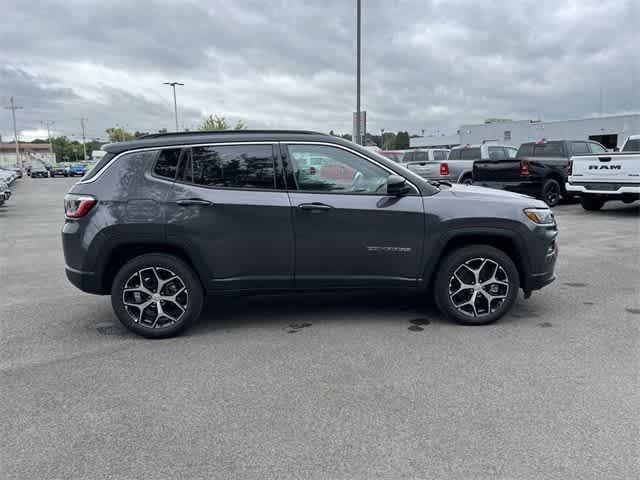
(29, 152)
(611, 131)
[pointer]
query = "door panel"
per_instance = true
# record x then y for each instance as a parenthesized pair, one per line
(354, 239)
(243, 236)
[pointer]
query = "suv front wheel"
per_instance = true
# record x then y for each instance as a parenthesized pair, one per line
(476, 285)
(156, 295)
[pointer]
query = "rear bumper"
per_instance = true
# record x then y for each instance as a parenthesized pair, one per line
(527, 188)
(602, 188)
(85, 281)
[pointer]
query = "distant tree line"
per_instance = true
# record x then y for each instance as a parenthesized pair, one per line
(387, 141)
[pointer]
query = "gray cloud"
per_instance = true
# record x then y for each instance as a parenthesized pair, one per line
(427, 64)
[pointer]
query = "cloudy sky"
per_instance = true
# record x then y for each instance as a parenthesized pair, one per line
(427, 64)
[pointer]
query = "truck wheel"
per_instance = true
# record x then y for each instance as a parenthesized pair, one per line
(551, 192)
(591, 203)
(467, 180)
(476, 285)
(156, 295)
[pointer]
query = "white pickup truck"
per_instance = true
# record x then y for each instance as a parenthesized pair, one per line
(603, 177)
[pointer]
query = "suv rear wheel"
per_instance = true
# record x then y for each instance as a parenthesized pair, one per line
(476, 285)
(156, 295)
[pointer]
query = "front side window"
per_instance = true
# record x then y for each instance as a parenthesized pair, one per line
(341, 171)
(232, 166)
(632, 145)
(526, 150)
(511, 152)
(167, 163)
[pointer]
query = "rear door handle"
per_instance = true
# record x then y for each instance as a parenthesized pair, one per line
(314, 206)
(185, 202)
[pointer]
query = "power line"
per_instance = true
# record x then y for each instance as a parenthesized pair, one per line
(13, 107)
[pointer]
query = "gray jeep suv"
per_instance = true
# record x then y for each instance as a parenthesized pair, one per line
(162, 221)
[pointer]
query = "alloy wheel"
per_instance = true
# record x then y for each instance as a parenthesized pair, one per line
(478, 287)
(155, 297)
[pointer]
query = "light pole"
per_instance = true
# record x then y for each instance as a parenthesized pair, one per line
(175, 102)
(358, 138)
(13, 109)
(382, 138)
(48, 124)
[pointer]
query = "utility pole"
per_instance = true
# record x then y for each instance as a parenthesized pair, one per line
(49, 124)
(84, 146)
(13, 109)
(358, 138)
(175, 102)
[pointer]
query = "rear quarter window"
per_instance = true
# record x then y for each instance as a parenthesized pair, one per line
(470, 154)
(99, 166)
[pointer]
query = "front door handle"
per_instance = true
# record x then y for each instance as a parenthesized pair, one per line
(185, 202)
(314, 206)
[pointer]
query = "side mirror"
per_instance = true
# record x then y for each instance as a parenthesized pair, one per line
(397, 185)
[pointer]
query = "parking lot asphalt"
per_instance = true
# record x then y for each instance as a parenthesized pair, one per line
(322, 386)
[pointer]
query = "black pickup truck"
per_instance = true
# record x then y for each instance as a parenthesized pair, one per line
(539, 168)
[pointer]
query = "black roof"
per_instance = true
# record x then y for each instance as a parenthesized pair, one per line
(184, 138)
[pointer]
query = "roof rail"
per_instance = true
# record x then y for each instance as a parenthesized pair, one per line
(226, 132)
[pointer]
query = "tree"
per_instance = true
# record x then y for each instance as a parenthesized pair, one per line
(214, 122)
(389, 141)
(118, 134)
(402, 140)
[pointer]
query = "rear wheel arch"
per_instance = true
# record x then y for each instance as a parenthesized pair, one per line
(122, 253)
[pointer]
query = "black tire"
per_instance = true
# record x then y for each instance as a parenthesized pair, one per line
(158, 264)
(551, 192)
(591, 203)
(467, 180)
(474, 255)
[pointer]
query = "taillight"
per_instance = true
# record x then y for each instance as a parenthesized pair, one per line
(524, 167)
(570, 168)
(444, 169)
(77, 206)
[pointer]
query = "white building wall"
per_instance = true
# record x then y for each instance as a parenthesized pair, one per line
(527, 131)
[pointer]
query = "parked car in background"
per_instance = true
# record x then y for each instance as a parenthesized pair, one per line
(539, 169)
(457, 167)
(600, 178)
(39, 171)
(421, 160)
(77, 169)
(221, 212)
(59, 170)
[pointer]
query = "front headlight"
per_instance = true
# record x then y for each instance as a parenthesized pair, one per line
(540, 216)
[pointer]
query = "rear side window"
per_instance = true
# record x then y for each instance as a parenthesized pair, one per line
(497, 153)
(470, 154)
(579, 148)
(99, 166)
(548, 149)
(408, 157)
(511, 152)
(233, 166)
(167, 163)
